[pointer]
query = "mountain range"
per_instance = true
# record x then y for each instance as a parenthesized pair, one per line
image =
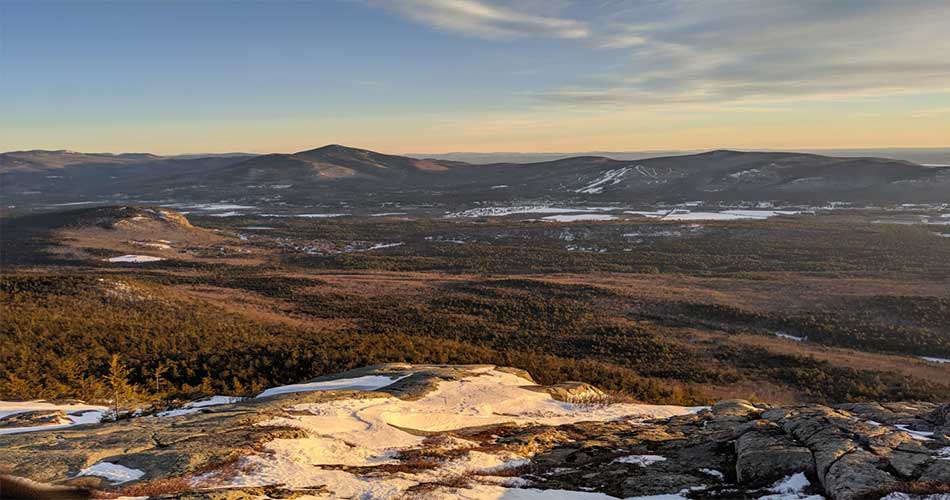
(340, 174)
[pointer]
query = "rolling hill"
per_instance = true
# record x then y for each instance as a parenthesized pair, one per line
(339, 174)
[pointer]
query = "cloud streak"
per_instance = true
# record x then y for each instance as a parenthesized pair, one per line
(485, 20)
(719, 51)
(668, 52)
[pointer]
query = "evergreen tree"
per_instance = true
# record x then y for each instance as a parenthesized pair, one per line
(118, 381)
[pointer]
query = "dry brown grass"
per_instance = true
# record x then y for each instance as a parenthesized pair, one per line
(906, 365)
(423, 491)
(153, 488)
(911, 487)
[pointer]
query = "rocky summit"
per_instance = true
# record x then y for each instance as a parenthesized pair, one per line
(425, 431)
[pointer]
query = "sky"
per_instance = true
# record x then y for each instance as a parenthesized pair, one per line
(437, 76)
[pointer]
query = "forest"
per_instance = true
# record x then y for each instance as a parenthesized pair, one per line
(680, 320)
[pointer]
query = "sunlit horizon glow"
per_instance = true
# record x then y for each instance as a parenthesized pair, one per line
(439, 76)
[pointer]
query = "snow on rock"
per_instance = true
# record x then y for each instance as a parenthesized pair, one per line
(934, 360)
(795, 483)
(714, 473)
(918, 435)
(76, 414)
(943, 453)
(608, 178)
(791, 488)
(371, 431)
(196, 406)
(135, 259)
(364, 383)
(641, 460)
(115, 473)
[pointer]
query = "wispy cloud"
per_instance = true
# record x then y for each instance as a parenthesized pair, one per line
(722, 51)
(485, 20)
(621, 41)
(755, 51)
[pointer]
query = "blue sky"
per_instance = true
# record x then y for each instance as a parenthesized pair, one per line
(475, 75)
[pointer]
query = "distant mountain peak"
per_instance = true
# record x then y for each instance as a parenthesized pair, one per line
(336, 149)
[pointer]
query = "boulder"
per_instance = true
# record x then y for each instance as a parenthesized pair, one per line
(576, 392)
(856, 475)
(938, 472)
(764, 456)
(940, 416)
(659, 484)
(908, 464)
(734, 408)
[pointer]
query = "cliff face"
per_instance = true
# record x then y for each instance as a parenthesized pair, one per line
(402, 431)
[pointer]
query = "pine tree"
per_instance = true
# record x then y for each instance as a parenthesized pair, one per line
(118, 382)
(158, 374)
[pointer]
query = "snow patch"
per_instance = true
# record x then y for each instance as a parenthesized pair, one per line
(608, 178)
(641, 460)
(681, 214)
(796, 483)
(160, 246)
(790, 337)
(579, 217)
(714, 473)
(503, 211)
(306, 216)
(365, 432)
(743, 173)
(364, 383)
(934, 360)
(115, 473)
(76, 414)
(196, 406)
(135, 259)
(384, 245)
(213, 206)
(918, 435)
